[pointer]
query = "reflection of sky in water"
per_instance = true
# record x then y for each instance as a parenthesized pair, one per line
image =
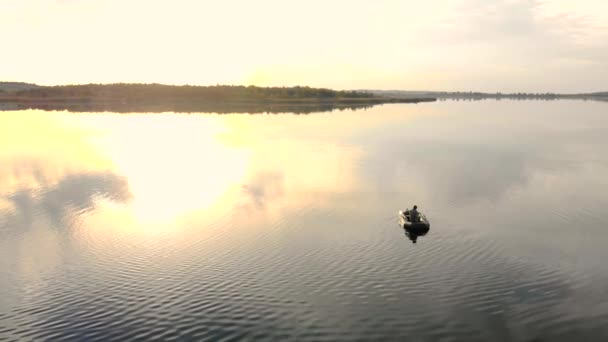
(516, 185)
(459, 161)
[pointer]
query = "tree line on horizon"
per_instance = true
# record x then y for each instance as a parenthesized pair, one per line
(127, 97)
(516, 95)
(211, 93)
(475, 95)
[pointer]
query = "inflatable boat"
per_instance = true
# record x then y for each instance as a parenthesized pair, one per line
(419, 227)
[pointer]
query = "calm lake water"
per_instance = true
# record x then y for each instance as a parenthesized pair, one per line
(228, 227)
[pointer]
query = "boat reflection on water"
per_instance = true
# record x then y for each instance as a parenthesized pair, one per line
(414, 234)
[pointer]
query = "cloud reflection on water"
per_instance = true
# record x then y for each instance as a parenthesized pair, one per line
(73, 195)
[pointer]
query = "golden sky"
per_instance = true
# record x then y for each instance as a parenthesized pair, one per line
(489, 45)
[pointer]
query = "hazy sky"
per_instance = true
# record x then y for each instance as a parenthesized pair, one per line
(489, 45)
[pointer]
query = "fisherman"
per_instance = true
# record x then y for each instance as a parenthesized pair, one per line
(414, 215)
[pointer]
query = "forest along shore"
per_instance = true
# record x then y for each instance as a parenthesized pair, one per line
(163, 98)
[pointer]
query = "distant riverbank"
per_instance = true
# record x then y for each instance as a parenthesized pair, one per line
(217, 99)
(475, 96)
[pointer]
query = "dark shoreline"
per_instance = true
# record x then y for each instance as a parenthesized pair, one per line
(220, 99)
(297, 106)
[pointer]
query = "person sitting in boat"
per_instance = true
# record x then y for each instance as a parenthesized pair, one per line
(414, 215)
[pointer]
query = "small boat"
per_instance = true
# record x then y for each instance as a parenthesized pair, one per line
(420, 227)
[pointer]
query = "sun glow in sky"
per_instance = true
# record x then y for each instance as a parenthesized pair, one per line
(490, 45)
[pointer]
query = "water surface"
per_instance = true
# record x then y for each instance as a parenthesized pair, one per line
(176, 226)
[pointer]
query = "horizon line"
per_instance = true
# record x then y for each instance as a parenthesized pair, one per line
(293, 86)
